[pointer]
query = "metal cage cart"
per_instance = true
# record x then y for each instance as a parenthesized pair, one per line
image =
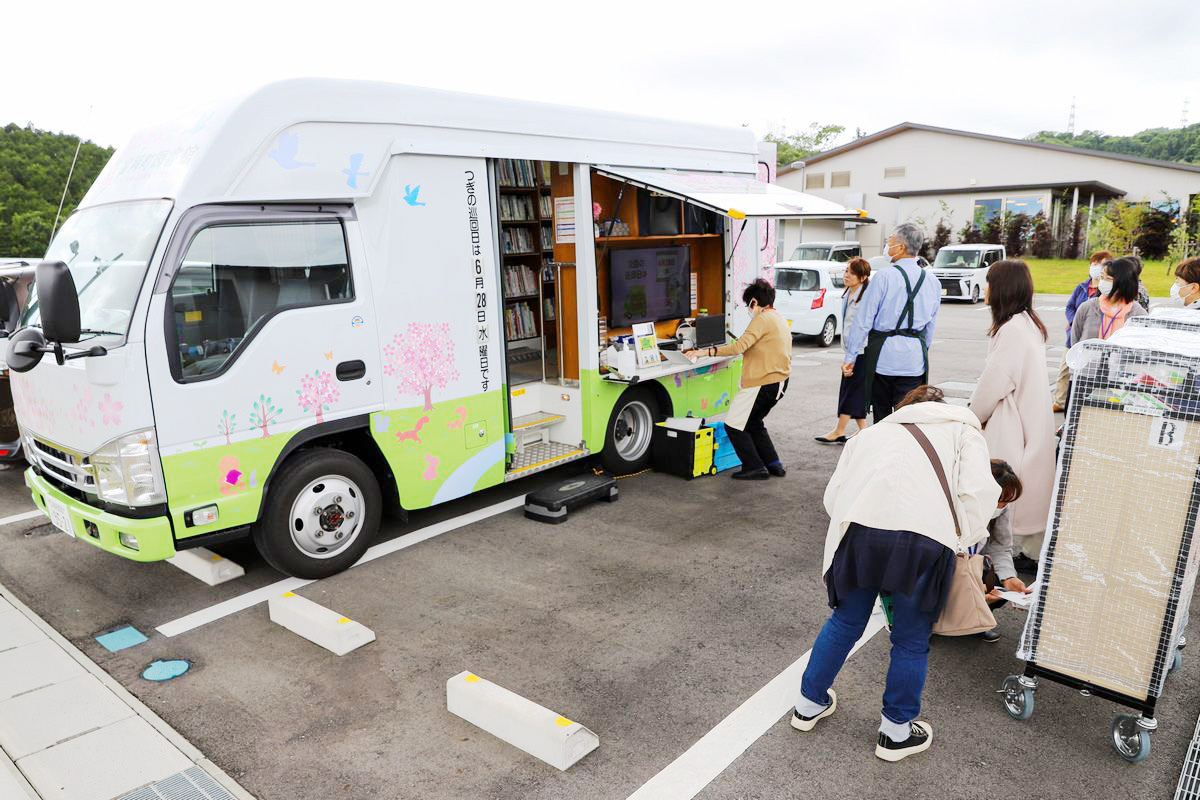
(1175, 319)
(1119, 564)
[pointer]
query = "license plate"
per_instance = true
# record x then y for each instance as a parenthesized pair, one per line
(59, 515)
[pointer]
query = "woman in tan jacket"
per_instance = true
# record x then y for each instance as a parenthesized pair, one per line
(766, 351)
(1012, 400)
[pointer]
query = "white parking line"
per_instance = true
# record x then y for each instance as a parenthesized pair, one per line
(686, 776)
(22, 517)
(243, 601)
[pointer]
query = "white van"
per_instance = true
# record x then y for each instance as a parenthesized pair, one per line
(840, 252)
(270, 318)
(962, 269)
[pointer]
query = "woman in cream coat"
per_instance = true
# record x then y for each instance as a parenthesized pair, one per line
(1013, 401)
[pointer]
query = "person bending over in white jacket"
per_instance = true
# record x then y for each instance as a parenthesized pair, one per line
(890, 530)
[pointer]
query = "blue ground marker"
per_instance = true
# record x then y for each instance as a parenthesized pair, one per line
(165, 670)
(121, 639)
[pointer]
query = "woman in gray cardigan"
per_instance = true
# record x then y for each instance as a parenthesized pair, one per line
(852, 397)
(1105, 314)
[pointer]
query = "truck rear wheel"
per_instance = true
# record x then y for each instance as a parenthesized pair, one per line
(322, 512)
(630, 429)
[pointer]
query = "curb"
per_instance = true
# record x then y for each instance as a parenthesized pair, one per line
(190, 751)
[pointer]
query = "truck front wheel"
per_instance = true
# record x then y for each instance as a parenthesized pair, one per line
(322, 512)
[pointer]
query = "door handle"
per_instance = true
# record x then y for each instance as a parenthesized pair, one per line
(351, 370)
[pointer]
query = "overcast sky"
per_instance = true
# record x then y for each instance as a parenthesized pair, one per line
(104, 69)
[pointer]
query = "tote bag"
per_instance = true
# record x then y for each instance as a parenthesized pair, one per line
(966, 610)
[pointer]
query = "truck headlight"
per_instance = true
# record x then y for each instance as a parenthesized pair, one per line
(127, 470)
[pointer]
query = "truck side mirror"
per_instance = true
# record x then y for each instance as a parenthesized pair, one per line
(59, 302)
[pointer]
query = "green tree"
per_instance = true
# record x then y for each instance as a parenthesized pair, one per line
(1165, 144)
(33, 170)
(799, 146)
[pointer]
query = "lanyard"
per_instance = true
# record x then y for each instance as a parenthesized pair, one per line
(1105, 331)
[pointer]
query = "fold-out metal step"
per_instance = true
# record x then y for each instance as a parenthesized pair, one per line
(542, 456)
(536, 421)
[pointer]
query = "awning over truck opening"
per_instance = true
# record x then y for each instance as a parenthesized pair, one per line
(734, 196)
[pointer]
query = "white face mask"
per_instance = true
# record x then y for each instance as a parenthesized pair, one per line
(997, 513)
(1175, 296)
(1094, 271)
(1106, 287)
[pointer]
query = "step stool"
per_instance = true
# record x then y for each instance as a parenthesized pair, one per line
(554, 502)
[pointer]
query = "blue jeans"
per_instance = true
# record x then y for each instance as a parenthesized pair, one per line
(911, 629)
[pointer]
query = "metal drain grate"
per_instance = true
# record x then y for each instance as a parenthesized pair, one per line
(191, 784)
(1189, 778)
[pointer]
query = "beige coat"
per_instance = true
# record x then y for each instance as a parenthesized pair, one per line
(1013, 402)
(884, 479)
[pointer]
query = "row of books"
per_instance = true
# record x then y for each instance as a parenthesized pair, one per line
(522, 172)
(547, 206)
(548, 309)
(519, 321)
(516, 207)
(519, 279)
(519, 240)
(547, 238)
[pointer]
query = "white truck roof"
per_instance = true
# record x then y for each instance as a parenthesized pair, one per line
(299, 139)
(972, 246)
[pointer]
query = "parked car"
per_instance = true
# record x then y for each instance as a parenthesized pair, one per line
(962, 269)
(16, 276)
(809, 296)
(826, 251)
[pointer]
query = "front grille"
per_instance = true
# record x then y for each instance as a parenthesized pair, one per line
(951, 285)
(67, 466)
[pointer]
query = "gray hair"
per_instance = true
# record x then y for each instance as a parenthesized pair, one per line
(910, 236)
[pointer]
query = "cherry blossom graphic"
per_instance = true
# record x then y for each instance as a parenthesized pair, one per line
(110, 410)
(422, 359)
(226, 425)
(264, 414)
(83, 407)
(316, 392)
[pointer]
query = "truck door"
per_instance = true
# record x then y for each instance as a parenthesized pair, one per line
(261, 328)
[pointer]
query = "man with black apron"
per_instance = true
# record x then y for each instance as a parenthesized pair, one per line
(896, 322)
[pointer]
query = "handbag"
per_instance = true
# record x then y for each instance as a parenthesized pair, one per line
(966, 609)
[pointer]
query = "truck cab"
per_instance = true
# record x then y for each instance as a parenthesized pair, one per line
(962, 269)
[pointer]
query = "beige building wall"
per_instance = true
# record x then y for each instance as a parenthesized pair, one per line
(935, 160)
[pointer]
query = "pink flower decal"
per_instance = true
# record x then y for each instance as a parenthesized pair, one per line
(110, 410)
(421, 359)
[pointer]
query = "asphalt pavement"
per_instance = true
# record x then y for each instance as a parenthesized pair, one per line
(649, 620)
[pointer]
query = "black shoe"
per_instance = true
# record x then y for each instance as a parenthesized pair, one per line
(1023, 563)
(918, 742)
(808, 723)
(991, 636)
(777, 470)
(823, 440)
(759, 474)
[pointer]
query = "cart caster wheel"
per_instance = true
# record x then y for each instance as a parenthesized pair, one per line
(1176, 661)
(1130, 740)
(1018, 699)
(712, 470)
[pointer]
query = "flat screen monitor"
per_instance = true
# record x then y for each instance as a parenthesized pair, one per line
(648, 285)
(710, 331)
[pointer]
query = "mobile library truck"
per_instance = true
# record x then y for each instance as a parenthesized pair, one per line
(273, 317)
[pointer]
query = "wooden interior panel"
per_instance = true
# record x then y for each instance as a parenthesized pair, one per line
(564, 253)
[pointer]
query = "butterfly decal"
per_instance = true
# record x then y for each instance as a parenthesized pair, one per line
(278, 368)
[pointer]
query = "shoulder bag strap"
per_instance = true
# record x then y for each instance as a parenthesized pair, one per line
(927, 446)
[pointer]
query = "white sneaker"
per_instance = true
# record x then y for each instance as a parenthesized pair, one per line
(808, 723)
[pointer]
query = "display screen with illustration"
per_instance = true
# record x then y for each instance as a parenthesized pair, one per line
(647, 285)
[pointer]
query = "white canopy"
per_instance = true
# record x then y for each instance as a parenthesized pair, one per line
(734, 196)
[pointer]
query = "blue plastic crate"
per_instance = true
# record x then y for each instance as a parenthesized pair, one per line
(724, 456)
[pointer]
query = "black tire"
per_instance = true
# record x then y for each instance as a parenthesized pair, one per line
(976, 295)
(616, 455)
(828, 333)
(273, 533)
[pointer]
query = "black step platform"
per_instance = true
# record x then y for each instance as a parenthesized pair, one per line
(554, 502)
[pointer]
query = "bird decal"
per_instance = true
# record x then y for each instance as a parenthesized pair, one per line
(285, 152)
(410, 195)
(352, 172)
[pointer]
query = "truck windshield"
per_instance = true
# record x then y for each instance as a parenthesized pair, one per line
(809, 253)
(957, 259)
(107, 249)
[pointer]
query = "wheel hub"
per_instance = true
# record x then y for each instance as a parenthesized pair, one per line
(331, 518)
(326, 516)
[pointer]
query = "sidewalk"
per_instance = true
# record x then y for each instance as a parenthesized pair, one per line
(70, 732)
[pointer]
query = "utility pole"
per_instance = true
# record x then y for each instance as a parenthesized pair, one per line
(1183, 118)
(1071, 121)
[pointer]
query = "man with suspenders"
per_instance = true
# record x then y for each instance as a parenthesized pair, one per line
(896, 321)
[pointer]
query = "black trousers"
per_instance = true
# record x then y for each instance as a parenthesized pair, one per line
(887, 390)
(753, 445)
